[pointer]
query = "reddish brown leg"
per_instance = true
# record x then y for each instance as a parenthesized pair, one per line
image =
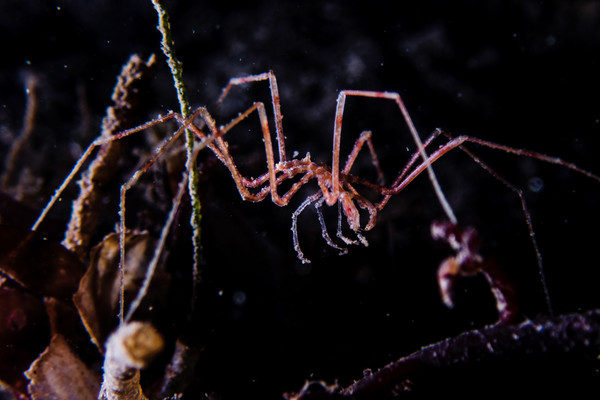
(206, 141)
(460, 140)
(270, 76)
(331, 198)
(273, 169)
(88, 152)
(455, 265)
(365, 137)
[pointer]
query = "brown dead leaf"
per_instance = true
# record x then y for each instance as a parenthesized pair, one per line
(59, 374)
(97, 298)
(64, 319)
(24, 333)
(38, 264)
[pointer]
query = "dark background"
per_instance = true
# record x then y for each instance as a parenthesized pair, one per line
(521, 73)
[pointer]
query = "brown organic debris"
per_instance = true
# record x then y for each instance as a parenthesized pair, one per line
(13, 165)
(59, 374)
(131, 348)
(24, 333)
(86, 207)
(97, 298)
(38, 264)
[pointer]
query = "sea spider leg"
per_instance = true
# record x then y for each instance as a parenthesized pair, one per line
(225, 157)
(308, 201)
(206, 141)
(365, 137)
(345, 177)
(283, 166)
(373, 209)
(460, 140)
(158, 151)
(503, 304)
(135, 303)
(457, 142)
(184, 124)
(407, 177)
(332, 190)
(332, 197)
(98, 142)
(521, 196)
(344, 238)
(383, 190)
(221, 152)
(324, 233)
(243, 183)
(270, 76)
(220, 148)
(337, 193)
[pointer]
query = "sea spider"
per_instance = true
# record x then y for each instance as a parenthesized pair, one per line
(336, 185)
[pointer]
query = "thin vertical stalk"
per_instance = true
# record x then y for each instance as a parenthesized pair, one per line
(168, 48)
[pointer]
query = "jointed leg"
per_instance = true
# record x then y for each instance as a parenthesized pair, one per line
(458, 142)
(285, 169)
(361, 239)
(224, 155)
(525, 153)
(405, 171)
(98, 142)
(331, 198)
(157, 249)
(206, 141)
(184, 124)
(309, 200)
(270, 76)
(519, 193)
(364, 137)
(324, 233)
